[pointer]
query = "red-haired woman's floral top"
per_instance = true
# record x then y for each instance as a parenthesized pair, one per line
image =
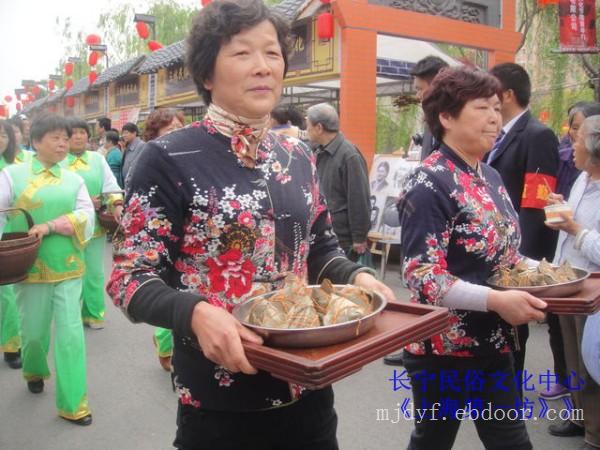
(199, 225)
(457, 224)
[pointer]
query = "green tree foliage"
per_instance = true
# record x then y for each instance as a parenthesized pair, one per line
(117, 27)
(394, 127)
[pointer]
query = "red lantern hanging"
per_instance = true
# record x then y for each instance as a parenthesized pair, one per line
(70, 102)
(93, 39)
(92, 76)
(142, 30)
(3, 111)
(154, 45)
(51, 85)
(543, 3)
(18, 106)
(36, 90)
(30, 97)
(69, 68)
(93, 58)
(325, 25)
(69, 84)
(205, 2)
(8, 98)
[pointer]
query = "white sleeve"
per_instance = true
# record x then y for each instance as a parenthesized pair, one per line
(109, 183)
(85, 208)
(465, 295)
(6, 196)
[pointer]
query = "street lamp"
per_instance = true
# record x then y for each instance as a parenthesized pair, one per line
(102, 48)
(148, 19)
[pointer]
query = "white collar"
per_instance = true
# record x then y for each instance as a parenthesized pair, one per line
(511, 123)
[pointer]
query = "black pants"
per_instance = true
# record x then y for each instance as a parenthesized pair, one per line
(309, 424)
(558, 348)
(434, 432)
(519, 355)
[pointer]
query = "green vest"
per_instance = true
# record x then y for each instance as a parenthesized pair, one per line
(88, 166)
(48, 194)
(20, 158)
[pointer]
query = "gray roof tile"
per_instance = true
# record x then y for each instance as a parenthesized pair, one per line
(165, 57)
(79, 87)
(118, 71)
(290, 8)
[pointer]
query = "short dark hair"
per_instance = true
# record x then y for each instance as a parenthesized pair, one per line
(105, 123)
(216, 24)
(17, 122)
(385, 165)
(288, 113)
(515, 77)
(428, 67)
(451, 90)
(131, 127)
(112, 136)
(78, 122)
(11, 148)
(46, 123)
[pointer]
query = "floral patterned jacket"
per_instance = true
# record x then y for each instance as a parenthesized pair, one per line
(457, 224)
(199, 225)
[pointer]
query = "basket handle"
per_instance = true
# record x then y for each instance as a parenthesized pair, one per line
(27, 215)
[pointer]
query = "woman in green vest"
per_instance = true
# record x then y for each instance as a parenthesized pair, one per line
(10, 339)
(63, 212)
(99, 180)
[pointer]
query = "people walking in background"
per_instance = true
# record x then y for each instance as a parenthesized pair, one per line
(104, 192)
(343, 178)
(526, 156)
(10, 337)
(579, 244)
(132, 150)
(63, 213)
(424, 72)
(114, 156)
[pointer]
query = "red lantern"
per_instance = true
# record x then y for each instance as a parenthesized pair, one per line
(30, 97)
(154, 45)
(325, 25)
(70, 102)
(51, 85)
(18, 106)
(3, 111)
(69, 84)
(92, 76)
(205, 2)
(36, 90)
(69, 68)
(93, 39)
(8, 99)
(93, 58)
(142, 30)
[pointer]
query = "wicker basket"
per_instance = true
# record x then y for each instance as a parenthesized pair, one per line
(18, 252)
(107, 220)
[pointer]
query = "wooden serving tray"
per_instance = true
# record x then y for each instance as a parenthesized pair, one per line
(586, 301)
(398, 325)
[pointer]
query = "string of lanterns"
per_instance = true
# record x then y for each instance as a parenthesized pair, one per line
(144, 33)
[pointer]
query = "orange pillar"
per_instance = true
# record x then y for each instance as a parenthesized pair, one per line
(496, 57)
(358, 89)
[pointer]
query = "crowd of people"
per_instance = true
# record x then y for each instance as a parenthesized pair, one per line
(212, 213)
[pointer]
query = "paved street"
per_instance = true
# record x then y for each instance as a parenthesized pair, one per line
(134, 408)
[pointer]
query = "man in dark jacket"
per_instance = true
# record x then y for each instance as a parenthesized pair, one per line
(343, 178)
(133, 149)
(526, 155)
(424, 72)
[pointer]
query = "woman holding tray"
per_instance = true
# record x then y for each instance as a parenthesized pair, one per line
(218, 211)
(62, 211)
(468, 231)
(579, 244)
